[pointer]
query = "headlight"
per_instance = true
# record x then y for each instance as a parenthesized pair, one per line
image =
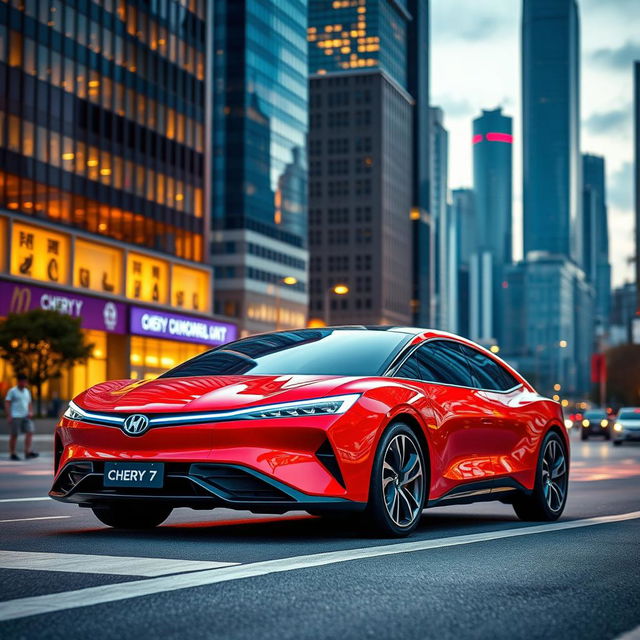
(324, 406)
(617, 427)
(74, 412)
(604, 423)
(568, 423)
(585, 423)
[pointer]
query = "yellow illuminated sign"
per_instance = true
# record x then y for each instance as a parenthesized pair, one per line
(190, 288)
(97, 267)
(39, 253)
(147, 278)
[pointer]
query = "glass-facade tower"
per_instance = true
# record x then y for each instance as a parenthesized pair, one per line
(102, 118)
(551, 128)
(260, 161)
(103, 189)
(492, 177)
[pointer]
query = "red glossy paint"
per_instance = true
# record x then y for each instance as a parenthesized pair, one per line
(469, 435)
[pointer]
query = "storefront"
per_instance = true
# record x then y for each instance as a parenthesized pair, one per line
(143, 312)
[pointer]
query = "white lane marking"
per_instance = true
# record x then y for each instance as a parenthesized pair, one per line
(39, 518)
(25, 499)
(49, 603)
(114, 565)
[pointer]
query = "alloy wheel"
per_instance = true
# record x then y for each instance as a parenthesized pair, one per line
(402, 480)
(554, 475)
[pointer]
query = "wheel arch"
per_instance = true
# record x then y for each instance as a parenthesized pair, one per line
(414, 424)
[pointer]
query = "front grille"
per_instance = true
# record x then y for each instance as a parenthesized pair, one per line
(234, 483)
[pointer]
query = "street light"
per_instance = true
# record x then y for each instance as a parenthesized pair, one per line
(339, 290)
(289, 281)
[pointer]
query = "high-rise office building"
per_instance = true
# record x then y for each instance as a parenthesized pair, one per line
(102, 179)
(551, 127)
(368, 181)
(443, 314)
(548, 332)
(555, 313)
(421, 217)
(492, 252)
(259, 222)
(463, 209)
(595, 237)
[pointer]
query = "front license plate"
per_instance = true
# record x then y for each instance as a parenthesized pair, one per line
(134, 474)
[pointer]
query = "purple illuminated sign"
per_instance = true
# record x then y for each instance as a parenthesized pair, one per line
(160, 324)
(94, 313)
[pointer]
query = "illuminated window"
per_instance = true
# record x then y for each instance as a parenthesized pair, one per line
(15, 49)
(28, 139)
(14, 134)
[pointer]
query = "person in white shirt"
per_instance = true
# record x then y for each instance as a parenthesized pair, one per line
(19, 407)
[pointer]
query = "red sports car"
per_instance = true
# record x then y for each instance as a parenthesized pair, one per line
(383, 421)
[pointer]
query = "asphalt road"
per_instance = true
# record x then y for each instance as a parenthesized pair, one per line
(470, 571)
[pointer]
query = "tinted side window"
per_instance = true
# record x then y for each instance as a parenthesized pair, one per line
(487, 373)
(410, 369)
(438, 361)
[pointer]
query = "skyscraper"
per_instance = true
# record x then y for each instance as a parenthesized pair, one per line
(368, 178)
(596, 237)
(102, 179)
(421, 215)
(551, 332)
(492, 251)
(443, 314)
(463, 208)
(259, 222)
(551, 133)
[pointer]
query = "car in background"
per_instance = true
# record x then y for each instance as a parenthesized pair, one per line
(627, 425)
(596, 422)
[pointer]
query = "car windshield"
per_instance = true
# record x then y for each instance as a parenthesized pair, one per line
(330, 352)
(629, 414)
(595, 414)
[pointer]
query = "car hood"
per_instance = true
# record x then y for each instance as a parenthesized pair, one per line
(206, 393)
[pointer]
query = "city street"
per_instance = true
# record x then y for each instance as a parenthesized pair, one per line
(469, 571)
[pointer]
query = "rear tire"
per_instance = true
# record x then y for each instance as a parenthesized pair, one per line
(549, 496)
(398, 487)
(121, 516)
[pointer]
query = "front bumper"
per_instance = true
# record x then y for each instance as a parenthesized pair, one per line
(195, 485)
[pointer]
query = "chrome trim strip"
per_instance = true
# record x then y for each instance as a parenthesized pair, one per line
(348, 400)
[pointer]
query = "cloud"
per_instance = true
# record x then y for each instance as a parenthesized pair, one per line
(620, 187)
(454, 107)
(464, 20)
(619, 58)
(617, 121)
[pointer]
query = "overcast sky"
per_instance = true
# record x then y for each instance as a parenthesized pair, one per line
(475, 64)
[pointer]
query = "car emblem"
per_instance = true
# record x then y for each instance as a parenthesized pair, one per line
(136, 424)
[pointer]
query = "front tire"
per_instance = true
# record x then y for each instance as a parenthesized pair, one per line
(584, 435)
(121, 516)
(549, 496)
(398, 488)
(617, 443)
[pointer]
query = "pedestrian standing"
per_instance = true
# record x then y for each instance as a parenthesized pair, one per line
(19, 407)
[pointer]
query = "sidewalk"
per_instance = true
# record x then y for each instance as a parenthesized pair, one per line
(42, 439)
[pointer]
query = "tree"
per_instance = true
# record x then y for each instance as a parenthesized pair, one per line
(40, 344)
(623, 380)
